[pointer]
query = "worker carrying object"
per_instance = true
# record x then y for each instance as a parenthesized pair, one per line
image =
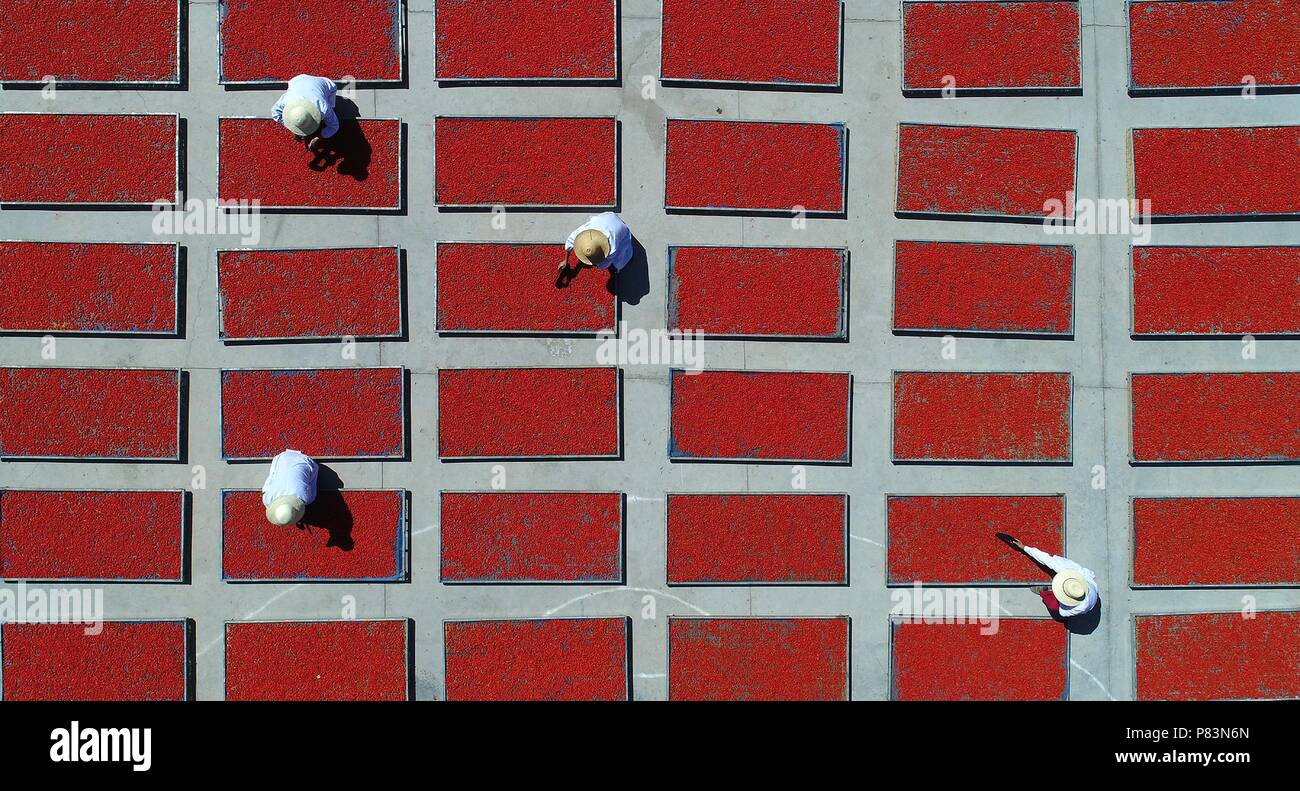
(1074, 588)
(307, 109)
(604, 242)
(290, 487)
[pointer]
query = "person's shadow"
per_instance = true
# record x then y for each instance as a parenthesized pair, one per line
(1086, 623)
(346, 109)
(329, 511)
(348, 150)
(633, 281)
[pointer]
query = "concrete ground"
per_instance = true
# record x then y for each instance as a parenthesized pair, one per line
(1099, 357)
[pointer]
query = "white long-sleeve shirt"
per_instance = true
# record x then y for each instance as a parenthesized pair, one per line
(320, 91)
(1058, 564)
(292, 473)
(620, 239)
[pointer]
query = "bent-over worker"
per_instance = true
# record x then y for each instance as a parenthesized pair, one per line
(603, 242)
(1074, 588)
(307, 109)
(290, 487)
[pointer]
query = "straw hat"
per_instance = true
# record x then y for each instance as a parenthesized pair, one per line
(301, 117)
(591, 247)
(285, 510)
(1070, 588)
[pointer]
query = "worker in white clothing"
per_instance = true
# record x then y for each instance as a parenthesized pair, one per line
(1074, 588)
(307, 109)
(290, 487)
(603, 242)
